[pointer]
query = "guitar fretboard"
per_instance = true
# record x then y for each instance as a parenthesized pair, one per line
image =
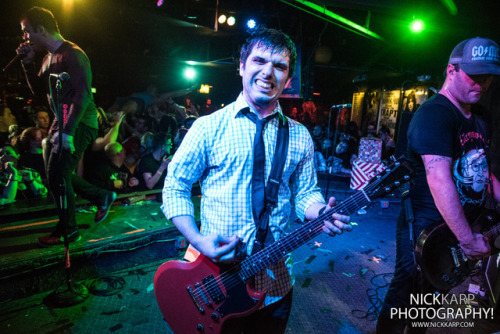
(271, 254)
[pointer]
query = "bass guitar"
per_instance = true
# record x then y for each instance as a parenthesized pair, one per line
(440, 256)
(199, 296)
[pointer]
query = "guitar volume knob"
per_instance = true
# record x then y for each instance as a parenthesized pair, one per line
(200, 328)
(214, 316)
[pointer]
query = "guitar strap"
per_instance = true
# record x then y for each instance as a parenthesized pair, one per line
(262, 236)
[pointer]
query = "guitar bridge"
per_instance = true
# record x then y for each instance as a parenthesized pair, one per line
(195, 301)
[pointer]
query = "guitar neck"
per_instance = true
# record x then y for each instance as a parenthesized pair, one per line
(493, 232)
(272, 253)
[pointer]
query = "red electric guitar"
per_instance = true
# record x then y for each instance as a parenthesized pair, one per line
(199, 296)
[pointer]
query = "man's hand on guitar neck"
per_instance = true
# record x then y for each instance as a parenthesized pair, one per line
(336, 225)
(477, 247)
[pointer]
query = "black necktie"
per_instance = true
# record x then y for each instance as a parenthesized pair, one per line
(259, 165)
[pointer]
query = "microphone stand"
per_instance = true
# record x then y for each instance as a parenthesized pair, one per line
(74, 293)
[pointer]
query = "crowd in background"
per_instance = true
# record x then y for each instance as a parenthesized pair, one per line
(139, 134)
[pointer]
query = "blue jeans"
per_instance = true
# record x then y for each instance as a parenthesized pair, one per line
(407, 279)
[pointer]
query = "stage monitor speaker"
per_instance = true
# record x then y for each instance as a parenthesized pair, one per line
(492, 277)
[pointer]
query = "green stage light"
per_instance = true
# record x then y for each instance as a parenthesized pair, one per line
(189, 73)
(417, 26)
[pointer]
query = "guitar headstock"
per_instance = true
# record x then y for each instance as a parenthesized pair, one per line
(391, 178)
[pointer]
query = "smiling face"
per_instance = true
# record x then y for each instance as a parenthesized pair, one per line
(264, 75)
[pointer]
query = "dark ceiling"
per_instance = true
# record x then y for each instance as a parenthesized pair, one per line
(134, 42)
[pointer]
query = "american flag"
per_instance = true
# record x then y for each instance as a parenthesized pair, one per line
(362, 172)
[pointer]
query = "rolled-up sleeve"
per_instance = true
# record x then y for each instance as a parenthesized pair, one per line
(303, 182)
(186, 167)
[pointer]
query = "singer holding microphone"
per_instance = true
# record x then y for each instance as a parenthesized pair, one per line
(64, 63)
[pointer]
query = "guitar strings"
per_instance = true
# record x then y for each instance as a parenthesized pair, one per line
(229, 279)
(306, 232)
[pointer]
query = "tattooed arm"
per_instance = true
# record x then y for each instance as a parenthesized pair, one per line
(438, 171)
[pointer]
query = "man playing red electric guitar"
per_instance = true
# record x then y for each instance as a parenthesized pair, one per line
(219, 151)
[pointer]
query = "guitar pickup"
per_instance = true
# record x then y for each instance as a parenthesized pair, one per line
(213, 289)
(455, 257)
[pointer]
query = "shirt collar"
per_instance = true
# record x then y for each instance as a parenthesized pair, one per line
(241, 103)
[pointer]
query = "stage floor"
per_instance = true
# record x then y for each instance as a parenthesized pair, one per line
(339, 285)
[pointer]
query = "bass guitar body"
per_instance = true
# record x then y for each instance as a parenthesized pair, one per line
(440, 257)
(199, 296)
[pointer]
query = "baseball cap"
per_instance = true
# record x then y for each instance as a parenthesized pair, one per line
(476, 56)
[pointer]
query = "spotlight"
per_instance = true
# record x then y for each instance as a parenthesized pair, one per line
(251, 24)
(231, 20)
(189, 73)
(222, 19)
(417, 26)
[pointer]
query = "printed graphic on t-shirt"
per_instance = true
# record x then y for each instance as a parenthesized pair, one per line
(471, 173)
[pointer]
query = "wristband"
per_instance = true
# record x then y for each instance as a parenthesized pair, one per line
(321, 211)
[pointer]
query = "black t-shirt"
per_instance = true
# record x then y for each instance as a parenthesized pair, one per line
(100, 171)
(439, 128)
(148, 164)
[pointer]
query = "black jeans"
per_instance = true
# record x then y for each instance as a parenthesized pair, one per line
(60, 171)
(270, 319)
(407, 279)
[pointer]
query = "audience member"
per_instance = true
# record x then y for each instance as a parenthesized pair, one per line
(191, 109)
(111, 173)
(182, 131)
(353, 131)
(7, 119)
(42, 121)
(318, 135)
(371, 131)
(346, 151)
(308, 114)
(319, 160)
(152, 168)
(207, 108)
(29, 182)
(8, 180)
(388, 144)
(29, 145)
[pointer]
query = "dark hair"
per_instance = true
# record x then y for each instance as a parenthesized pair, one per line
(384, 129)
(23, 141)
(148, 121)
(38, 16)
(159, 139)
(273, 39)
(188, 122)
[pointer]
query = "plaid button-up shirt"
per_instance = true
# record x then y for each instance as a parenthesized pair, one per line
(218, 151)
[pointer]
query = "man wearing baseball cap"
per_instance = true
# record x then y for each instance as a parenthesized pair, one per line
(448, 144)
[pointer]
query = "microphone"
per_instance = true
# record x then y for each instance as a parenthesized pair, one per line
(18, 56)
(63, 76)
